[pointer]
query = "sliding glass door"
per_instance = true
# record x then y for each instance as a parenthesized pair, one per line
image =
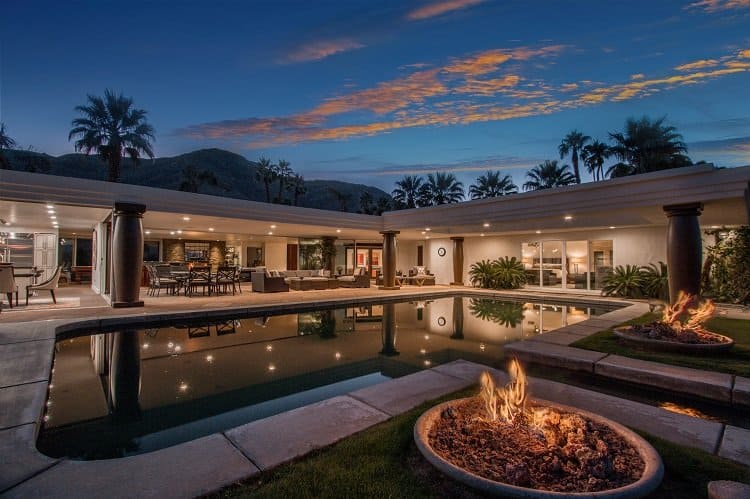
(580, 264)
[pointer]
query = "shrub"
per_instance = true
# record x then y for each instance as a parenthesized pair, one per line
(655, 281)
(626, 282)
(482, 274)
(728, 265)
(503, 273)
(508, 314)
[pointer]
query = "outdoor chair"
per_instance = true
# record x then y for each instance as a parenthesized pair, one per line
(226, 277)
(160, 278)
(8, 284)
(48, 285)
(198, 277)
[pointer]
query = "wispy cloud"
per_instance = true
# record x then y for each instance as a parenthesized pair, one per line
(718, 5)
(317, 50)
(439, 8)
(476, 88)
(700, 64)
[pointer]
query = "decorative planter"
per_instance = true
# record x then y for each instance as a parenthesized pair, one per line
(649, 481)
(626, 334)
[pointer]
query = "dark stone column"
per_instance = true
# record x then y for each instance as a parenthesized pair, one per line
(127, 254)
(458, 318)
(388, 330)
(458, 261)
(125, 376)
(684, 248)
(389, 260)
(747, 201)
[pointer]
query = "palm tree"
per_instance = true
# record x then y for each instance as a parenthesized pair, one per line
(383, 204)
(192, 179)
(593, 156)
(444, 188)
(283, 173)
(572, 144)
(111, 127)
(341, 198)
(297, 187)
(409, 192)
(647, 146)
(5, 143)
(548, 175)
(490, 185)
(365, 203)
(265, 172)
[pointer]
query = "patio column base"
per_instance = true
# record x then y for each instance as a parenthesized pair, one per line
(389, 288)
(389, 260)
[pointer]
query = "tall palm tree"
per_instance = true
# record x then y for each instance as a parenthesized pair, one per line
(383, 204)
(297, 187)
(593, 156)
(490, 185)
(410, 192)
(548, 175)
(111, 127)
(283, 173)
(444, 188)
(265, 172)
(572, 144)
(645, 146)
(192, 179)
(5, 143)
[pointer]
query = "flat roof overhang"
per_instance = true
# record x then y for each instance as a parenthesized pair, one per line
(634, 201)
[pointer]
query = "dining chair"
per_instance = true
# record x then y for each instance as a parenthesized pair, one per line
(48, 285)
(8, 283)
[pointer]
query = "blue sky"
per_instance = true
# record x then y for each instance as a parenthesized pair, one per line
(368, 91)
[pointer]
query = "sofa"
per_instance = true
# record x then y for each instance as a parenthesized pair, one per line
(264, 283)
(360, 279)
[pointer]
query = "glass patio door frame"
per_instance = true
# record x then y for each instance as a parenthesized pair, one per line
(564, 271)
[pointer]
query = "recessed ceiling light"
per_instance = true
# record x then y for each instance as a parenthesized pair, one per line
(53, 217)
(568, 217)
(49, 206)
(539, 232)
(427, 229)
(485, 224)
(270, 232)
(427, 237)
(74, 233)
(171, 233)
(147, 232)
(423, 233)
(273, 226)
(612, 227)
(51, 212)
(338, 231)
(210, 229)
(187, 219)
(481, 235)
(714, 226)
(179, 232)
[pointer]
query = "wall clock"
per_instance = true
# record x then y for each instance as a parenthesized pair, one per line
(441, 251)
(441, 321)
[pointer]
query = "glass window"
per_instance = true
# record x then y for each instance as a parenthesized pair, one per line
(65, 255)
(601, 262)
(576, 264)
(552, 264)
(83, 252)
(151, 251)
(531, 262)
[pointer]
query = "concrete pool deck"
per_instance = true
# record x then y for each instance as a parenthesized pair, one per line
(211, 462)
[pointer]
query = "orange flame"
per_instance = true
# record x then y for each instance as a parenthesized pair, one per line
(505, 403)
(681, 307)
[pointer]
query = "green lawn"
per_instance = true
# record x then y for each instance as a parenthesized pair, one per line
(383, 462)
(736, 361)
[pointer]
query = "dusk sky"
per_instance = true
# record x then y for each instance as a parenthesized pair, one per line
(367, 91)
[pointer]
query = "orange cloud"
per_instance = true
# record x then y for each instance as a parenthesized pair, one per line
(637, 76)
(700, 64)
(440, 8)
(718, 5)
(569, 87)
(744, 54)
(316, 51)
(490, 60)
(488, 87)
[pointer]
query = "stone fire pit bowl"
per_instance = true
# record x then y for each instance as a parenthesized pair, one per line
(649, 481)
(626, 334)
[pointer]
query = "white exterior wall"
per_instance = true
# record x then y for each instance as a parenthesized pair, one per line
(406, 255)
(99, 266)
(441, 266)
(275, 255)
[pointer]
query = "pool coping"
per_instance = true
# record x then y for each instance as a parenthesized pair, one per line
(24, 471)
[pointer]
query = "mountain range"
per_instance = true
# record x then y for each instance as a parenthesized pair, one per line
(235, 175)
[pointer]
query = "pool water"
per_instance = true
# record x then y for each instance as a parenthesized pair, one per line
(126, 392)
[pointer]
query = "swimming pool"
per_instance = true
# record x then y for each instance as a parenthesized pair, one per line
(125, 391)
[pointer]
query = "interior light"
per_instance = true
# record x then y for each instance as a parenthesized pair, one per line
(485, 225)
(183, 386)
(187, 219)
(338, 230)
(171, 233)
(210, 229)
(612, 227)
(337, 355)
(427, 237)
(269, 348)
(147, 232)
(50, 207)
(427, 229)
(179, 232)
(53, 217)
(273, 226)
(270, 233)
(51, 211)
(427, 362)
(481, 235)
(423, 233)
(568, 217)
(271, 367)
(209, 358)
(145, 346)
(539, 232)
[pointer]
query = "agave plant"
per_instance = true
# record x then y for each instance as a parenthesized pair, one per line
(509, 273)
(626, 282)
(655, 281)
(483, 274)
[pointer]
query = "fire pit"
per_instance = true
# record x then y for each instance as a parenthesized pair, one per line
(681, 329)
(500, 443)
